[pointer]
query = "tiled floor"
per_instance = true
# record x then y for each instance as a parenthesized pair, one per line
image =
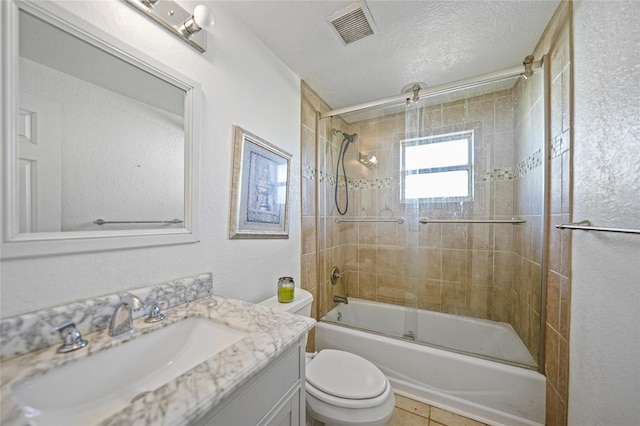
(413, 413)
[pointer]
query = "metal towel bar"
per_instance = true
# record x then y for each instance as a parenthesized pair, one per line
(425, 220)
(585, 225)
(104, 222)
(370, 219)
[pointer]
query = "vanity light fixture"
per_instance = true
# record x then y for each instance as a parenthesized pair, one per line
(187, 26)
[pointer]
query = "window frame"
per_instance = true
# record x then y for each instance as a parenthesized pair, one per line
(438, 138)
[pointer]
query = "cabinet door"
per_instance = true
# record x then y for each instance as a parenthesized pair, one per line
(288, 414)
(264, 398)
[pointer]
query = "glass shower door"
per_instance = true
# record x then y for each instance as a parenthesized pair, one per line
(448, 166)
(469, 163)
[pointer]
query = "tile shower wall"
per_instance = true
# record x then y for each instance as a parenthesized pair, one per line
(310, 103)
(320, 239)
(525, 292)
(318, 248)
(480, 270)
(557, 42)
(453, 268)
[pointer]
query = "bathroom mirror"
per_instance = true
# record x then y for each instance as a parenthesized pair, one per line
(100, 142)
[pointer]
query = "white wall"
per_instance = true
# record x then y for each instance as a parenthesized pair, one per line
(604, 378)
(243, 83)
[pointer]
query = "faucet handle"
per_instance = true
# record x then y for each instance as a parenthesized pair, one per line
(154, 313)
(71, 336)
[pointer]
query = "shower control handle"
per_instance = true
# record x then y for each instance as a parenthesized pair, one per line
(335, 275)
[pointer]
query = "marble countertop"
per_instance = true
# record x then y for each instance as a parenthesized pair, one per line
(193, 393)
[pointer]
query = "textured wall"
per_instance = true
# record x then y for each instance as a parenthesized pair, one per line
(243, 83)
(604, 380)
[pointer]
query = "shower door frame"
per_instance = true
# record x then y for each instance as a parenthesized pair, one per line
(542, 65)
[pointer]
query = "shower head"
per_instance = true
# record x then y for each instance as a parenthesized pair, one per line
(349, 138)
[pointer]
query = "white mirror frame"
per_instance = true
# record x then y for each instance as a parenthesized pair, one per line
(17, 245)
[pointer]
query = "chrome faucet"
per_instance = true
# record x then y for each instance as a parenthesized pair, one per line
(154, 313)
(71, 336)
(122, 319)
(340, 299)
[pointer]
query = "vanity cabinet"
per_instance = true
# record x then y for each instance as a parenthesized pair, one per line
(275, 396)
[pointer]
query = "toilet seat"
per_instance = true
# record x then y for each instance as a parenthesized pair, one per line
(348, 403)
(346, 380)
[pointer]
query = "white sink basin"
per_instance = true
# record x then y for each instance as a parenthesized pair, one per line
(94, 388)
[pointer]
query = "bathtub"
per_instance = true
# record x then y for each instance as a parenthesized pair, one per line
(488, 391)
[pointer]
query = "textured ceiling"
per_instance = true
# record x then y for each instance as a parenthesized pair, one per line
(434, 42)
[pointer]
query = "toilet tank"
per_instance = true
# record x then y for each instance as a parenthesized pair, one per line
(301, 304)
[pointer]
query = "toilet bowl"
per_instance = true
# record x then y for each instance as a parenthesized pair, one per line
(341, 388)
(346, 389)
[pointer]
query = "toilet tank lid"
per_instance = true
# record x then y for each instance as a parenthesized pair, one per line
(301, 298)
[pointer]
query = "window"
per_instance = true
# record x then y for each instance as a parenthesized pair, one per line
(438, 168)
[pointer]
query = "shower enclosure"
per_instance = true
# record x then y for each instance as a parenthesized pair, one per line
(444, 218)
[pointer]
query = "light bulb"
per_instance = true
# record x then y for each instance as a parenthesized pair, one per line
(203, 17)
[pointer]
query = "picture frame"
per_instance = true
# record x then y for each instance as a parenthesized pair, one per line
(259, 189)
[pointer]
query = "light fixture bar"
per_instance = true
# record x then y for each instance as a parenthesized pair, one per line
(172, 17)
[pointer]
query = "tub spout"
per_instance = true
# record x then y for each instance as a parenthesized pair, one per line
(340, 299)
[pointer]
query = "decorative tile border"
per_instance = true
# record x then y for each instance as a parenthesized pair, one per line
(308, 172)
(32, 331)
(528, 164)
(330, 179)
(383, 183)
(495, 175)
(522, 168)
(556, 146)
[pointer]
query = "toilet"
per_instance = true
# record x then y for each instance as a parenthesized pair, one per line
(341, 388)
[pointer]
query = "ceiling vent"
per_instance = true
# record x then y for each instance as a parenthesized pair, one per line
(353, 23)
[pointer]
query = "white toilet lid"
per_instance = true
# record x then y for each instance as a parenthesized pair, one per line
(345, 375)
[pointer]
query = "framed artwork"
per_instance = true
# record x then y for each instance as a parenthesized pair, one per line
(259, 188)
